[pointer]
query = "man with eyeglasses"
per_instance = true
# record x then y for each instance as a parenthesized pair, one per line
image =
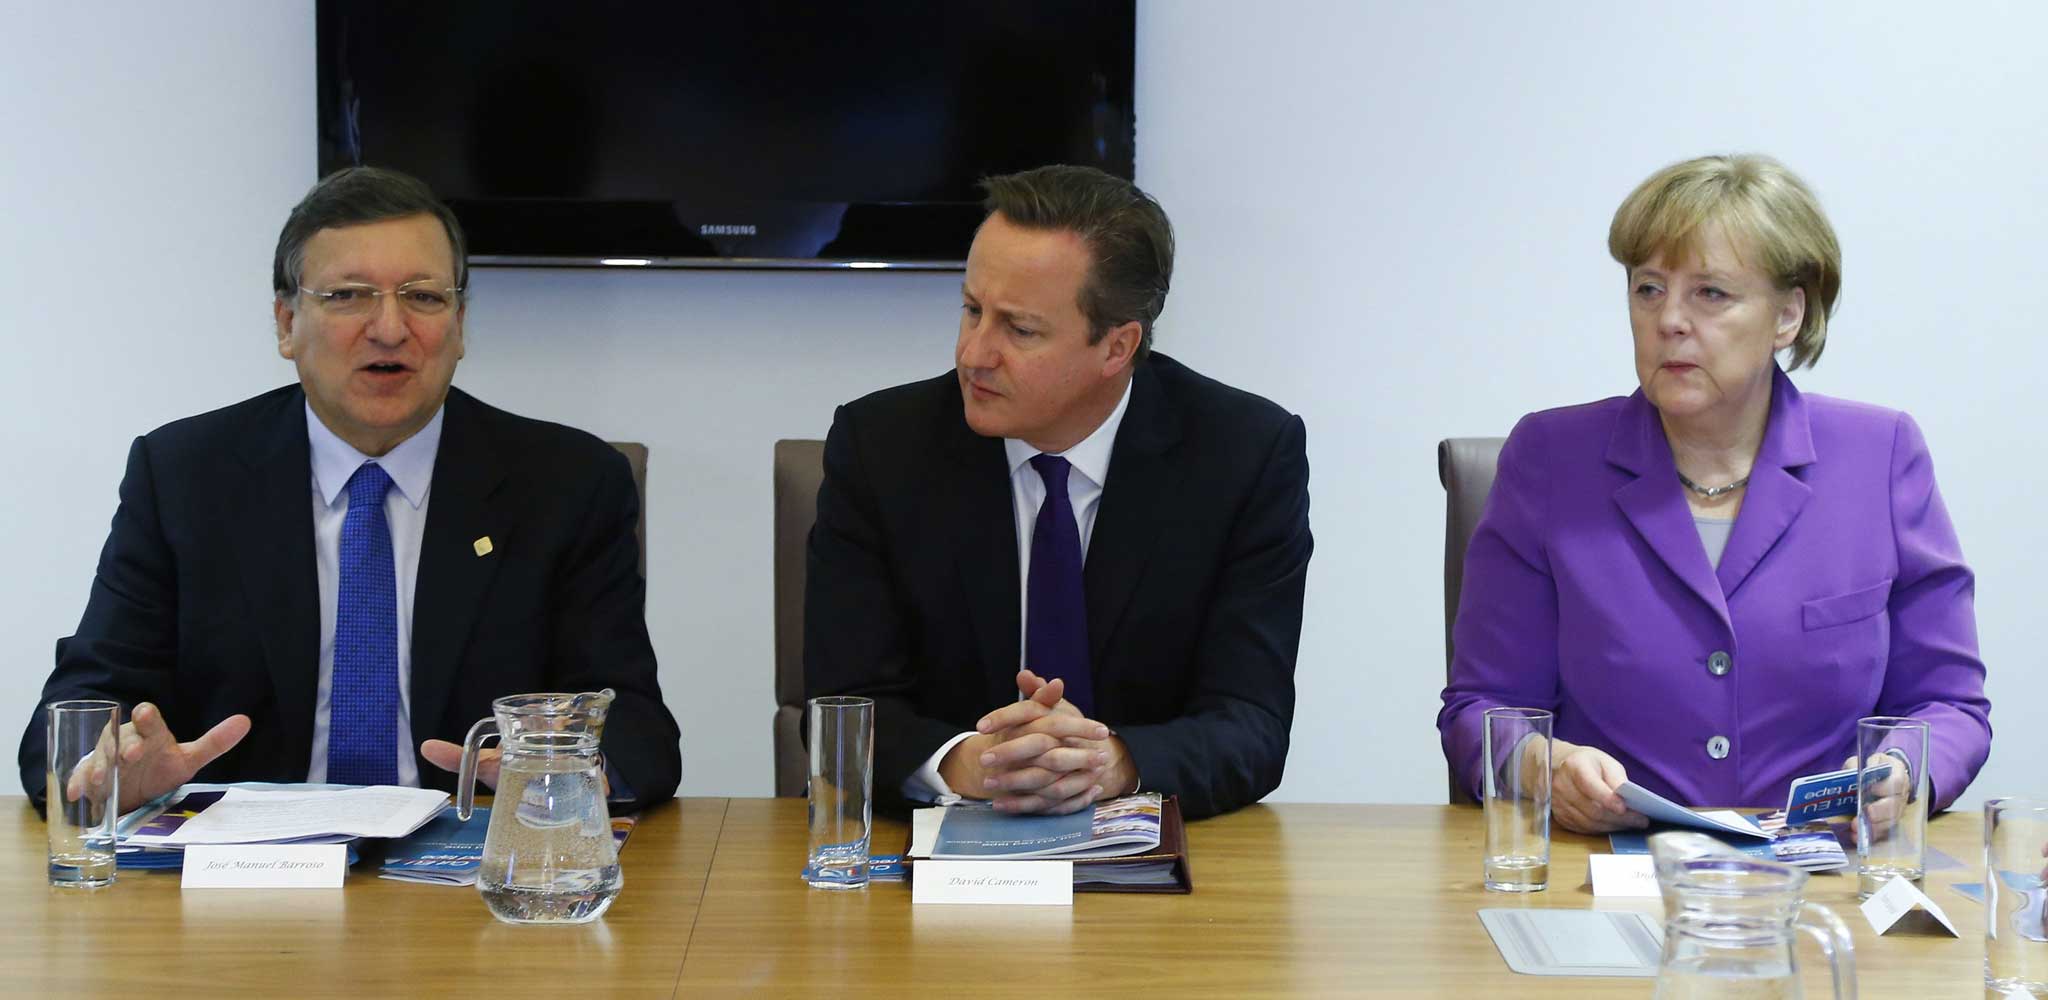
(450, 552)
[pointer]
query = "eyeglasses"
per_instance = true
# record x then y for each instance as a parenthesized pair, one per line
(419, 298)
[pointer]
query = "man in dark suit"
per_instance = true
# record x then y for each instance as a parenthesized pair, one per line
(1071, 568)
(447, 553)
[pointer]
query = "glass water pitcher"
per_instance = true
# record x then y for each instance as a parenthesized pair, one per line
(1730, 923)
(548, 853)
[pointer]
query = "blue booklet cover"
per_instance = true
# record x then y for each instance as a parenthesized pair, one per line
(1824, 796)
(981, 832)
(445, 850)
(1119, 827)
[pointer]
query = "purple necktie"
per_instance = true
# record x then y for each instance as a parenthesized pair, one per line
(362, 707)
(1055, 607)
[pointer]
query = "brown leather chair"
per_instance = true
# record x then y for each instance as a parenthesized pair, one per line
(799, 468)
(636, 456)
(1465, 466)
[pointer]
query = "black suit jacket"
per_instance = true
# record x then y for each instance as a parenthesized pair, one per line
(1194, 580)
(207, 597)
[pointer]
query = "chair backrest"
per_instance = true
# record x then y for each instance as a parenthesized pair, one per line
(636, 456)
(799, 468)
(1465, 466)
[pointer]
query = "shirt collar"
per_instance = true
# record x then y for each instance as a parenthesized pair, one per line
(1091, 457)
(410, 465)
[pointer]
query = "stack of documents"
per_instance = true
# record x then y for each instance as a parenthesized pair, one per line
(156, 836)
(1132, 844)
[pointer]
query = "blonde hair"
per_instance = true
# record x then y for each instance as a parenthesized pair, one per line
(1764, 208)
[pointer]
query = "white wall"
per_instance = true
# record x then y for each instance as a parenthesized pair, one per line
(1392, 219)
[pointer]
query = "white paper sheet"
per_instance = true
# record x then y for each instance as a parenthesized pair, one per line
(1548, 942)
(243, 816)
(1663, 810)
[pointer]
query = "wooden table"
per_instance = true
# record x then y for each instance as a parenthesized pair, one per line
(1290, 900)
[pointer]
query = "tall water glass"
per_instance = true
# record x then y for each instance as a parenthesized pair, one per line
(2015, 931)
(842, 783)
(1891, 801)
(82, 783)
(1517, 755)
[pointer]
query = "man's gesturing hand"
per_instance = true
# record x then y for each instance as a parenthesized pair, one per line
(150, 760)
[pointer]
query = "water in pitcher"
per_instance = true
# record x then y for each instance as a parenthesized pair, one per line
(1703, 982)
(549, 855)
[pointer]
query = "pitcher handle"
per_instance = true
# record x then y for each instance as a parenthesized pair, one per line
(465, 782)
(1833, 937)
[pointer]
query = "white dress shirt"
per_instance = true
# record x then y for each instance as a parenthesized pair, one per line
(411, 468)
(1090, 475)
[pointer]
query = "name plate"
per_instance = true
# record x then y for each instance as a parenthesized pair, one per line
(1039, 883)
(1632, 875)
(265, 866)
(1897, 898)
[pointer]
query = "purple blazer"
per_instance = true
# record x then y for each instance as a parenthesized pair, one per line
(1842, 593)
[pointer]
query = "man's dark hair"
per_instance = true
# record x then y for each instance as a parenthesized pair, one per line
(1125, 230)
(353, 196)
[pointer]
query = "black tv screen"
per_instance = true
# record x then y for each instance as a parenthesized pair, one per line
(753, 133)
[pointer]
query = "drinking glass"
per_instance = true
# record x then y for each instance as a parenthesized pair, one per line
(1516, 747)
(2015, 937)
(82, 784)
(842, 748)
(1891, 802)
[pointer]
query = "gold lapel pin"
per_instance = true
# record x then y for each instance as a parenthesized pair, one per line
(482, 545)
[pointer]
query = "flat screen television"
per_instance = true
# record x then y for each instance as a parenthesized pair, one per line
(757, 133)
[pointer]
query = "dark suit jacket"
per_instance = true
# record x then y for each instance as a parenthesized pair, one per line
(207, 598)
(1194, 580)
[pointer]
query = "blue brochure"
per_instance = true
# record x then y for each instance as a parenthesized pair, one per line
(979, 832)
(1120, 827)
(446, 850)
(1824, 796)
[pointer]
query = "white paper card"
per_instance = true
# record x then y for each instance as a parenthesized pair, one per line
(1895, 900)
(1545, 942)
(1623, 875)
(265, 866)
(245, 815)
(924, 830)
(1041, 883)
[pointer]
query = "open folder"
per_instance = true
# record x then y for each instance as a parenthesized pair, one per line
(1133, 844)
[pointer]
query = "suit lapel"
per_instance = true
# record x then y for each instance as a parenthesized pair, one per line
(984, 521)
(1142, 475)
(1776, 496)
(280, 578)
(453, 578)
(1653, 504)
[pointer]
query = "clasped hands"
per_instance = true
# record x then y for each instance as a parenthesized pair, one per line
(151, 761)
(1040, 755)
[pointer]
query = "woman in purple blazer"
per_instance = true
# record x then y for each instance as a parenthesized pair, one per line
(1710, 580)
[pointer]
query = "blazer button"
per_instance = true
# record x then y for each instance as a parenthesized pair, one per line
(1717, 747)
(1719, 663)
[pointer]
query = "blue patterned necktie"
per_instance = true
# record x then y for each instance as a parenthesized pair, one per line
(1055, 606)
(362, 709)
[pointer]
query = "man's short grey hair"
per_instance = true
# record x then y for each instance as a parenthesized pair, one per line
(353, 196)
